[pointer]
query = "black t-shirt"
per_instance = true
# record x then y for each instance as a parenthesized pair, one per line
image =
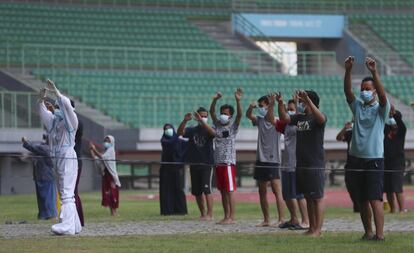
(309, 142)
(200, 145)
(394, 141)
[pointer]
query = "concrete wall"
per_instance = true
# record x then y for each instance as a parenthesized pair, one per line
(16, 176)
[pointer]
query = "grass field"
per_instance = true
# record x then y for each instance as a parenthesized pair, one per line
(23, 207)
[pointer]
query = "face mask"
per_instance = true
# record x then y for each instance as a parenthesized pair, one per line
(291, 113)
(169, 132)
(391, 122)
(107, 145)
(262, 111)
(366, 95)
(58, 114)
(205, 120)
(224, 119)
(300, 108)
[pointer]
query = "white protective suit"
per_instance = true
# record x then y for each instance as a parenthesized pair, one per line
(62, 141)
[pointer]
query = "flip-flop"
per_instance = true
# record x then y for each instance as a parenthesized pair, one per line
(296, 227)
(285, 225)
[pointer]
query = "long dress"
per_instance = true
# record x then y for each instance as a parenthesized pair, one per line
(110, 179)
(78, 150)
(172, 196)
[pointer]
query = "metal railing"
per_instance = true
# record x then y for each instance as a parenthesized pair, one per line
(320, 6)
(18, 110)
(222, 4)
(29, 56)
(242, 26)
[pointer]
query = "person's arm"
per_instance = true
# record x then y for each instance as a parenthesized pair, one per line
(270, 117)
(181, 127)
(319, 116)
(350, 97)
(283, 115)
(402, 129)
(34, 148)
(237, 95)
(213, 107)
(94, 151)
(341, 135)
(379, 87)
(249, 113)
(45, 115)
(71, 120)
(209, 129)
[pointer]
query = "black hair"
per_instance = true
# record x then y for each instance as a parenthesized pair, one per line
(201, 109)
(313, 97)
(367, 79)
(227, 106)
(263, 99)
(291, 101)
(72, 103)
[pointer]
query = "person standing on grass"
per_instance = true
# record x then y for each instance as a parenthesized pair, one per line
(294, 200)
(106, 162)
(172, 196)
(366, 155)
(266, 171)
(310, 123)
(225, 130)
(200, 153)
(43, 177)
(394, 159)
(345, 135)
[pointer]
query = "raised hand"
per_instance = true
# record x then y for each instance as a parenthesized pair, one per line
(42, 94)
(24, 139)
(371, 64)
(91, 146)
(188, 116)
(218, 95)
(238, 94)
(303, 96)
(52, 87)
(295, 97)
(253, 105)
(349, 62)
(348, 125)
(197, 116)
(271, 97)
(278, 97)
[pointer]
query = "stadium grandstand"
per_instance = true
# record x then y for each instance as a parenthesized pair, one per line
(133, 65)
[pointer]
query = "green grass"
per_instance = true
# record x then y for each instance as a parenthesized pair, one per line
(23, 207)
(275, 242)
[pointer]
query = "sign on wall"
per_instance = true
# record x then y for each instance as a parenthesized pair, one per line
(294, 25)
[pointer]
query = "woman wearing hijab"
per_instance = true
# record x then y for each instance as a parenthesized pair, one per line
(110, 181)
(172, 197)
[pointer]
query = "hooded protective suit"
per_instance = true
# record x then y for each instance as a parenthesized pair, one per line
(61, 127)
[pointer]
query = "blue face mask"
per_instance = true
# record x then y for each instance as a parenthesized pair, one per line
(366, 96)
(107, 145)
(262, 111)
(300, 108)
(291, 113)
(58, 114)
(391, 122)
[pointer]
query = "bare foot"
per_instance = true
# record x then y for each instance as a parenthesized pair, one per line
(304, 225)
(263, 224)
(206, 218)
(226, 221)
(314, 234)
(277, 224)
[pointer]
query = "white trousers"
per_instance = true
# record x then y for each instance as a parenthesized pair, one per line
(67, 171)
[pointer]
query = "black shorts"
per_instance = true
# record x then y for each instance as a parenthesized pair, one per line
(201, 179)
(268, 172)
(393, 179)
(368, 180)
(289, 186)
(311, 182)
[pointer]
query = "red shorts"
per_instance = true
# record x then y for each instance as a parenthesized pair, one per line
(226, 177)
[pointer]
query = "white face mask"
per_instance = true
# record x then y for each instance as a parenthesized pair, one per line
(224, 119)
(169, 132)
(205, 120)
(262, 111)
